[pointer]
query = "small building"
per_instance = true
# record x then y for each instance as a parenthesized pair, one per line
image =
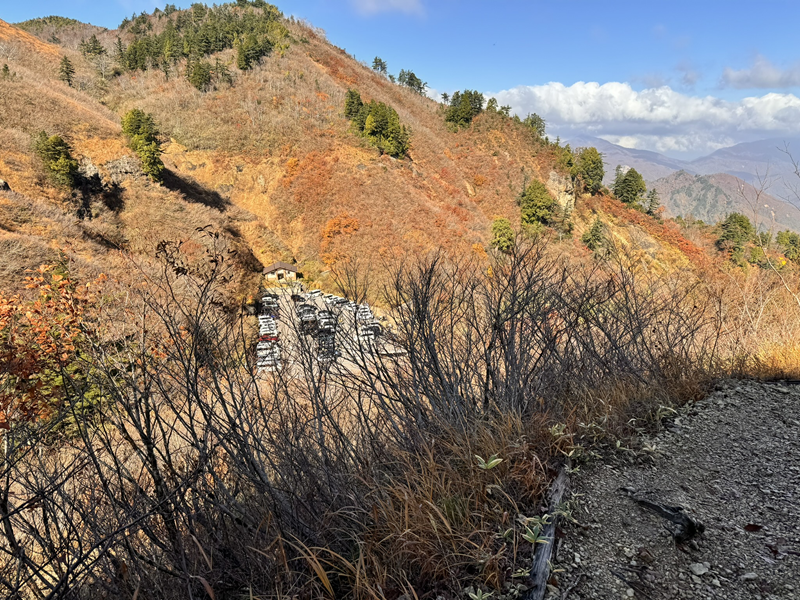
(280, 271)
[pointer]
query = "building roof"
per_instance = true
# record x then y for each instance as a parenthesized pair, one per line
(280, 265)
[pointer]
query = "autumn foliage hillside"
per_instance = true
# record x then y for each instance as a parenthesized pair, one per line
(268, 157)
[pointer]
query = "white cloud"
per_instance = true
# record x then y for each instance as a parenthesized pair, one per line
(658, 118)
(371, 7)
(762, 74)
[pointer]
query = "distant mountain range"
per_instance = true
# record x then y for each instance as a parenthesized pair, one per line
(725, 181)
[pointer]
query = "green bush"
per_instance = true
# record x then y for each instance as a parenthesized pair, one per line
(630, 187)
(464, 106)
(588, 169)
(537, 205)
(736, 231)
(379, 123)
(140, 129)
(503, 237)
(595, 238)
(199, 74)
(57, 159)
(789, 243)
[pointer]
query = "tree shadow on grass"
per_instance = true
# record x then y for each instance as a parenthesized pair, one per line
(194, 191)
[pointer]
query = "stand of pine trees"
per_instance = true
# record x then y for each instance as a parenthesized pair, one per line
(253, 28)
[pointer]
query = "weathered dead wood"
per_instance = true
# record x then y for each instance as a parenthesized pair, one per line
(540, 570)
(685, 526)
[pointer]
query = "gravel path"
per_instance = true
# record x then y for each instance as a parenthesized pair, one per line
(732, 461)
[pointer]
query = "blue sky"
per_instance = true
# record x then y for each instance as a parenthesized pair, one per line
(679, 77)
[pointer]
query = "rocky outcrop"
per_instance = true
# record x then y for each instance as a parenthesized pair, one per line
(563, 191)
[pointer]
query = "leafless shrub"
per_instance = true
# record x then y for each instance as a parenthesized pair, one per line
(178, 473)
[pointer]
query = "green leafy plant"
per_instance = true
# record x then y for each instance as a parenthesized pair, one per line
(487, 465)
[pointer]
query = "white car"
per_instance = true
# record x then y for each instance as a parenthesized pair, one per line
(315, 293)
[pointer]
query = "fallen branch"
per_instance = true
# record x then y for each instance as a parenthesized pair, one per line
(685, 526)
(540, 570)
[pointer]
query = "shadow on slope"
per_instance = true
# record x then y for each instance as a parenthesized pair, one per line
(194, 191)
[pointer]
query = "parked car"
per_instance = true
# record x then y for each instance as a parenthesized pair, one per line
(314, 294)
(364, 314)
(326, 321)
(369, 331)
(308, 319)
(298, 298)
(326, 348)
(268, 357)
(270, 305)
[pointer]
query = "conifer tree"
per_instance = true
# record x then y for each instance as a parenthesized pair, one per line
(464, 106)
(595, 237)
(140, 129)
(630, 188)
(653, 203)
(66, 71)
(588, 169)
(57, 158)
(537, 205)
(379, 65)
(92, 47)
(536, 123)
(352, 104)
(503, 236)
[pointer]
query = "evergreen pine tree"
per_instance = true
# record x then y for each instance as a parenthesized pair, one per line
(65, 71)
(537, 205)
(630, 188)
(379, 65)
(588, 169)
(503, 237)
(653, 203)
(536, 123)
(595, 237)
(352, 104)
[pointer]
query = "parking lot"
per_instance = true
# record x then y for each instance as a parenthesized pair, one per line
(312, 330)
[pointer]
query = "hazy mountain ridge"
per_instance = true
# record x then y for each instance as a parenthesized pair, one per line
(711, 197)
(712, 186)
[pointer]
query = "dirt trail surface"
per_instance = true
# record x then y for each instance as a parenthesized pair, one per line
(732, 461)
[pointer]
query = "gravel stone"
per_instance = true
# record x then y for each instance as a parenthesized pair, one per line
(732, 461)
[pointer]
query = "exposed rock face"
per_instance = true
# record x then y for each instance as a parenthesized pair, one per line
(4, 187)
(562, 190)
(123, 168)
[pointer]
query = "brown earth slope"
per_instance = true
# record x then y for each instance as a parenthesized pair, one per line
(272, 162)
